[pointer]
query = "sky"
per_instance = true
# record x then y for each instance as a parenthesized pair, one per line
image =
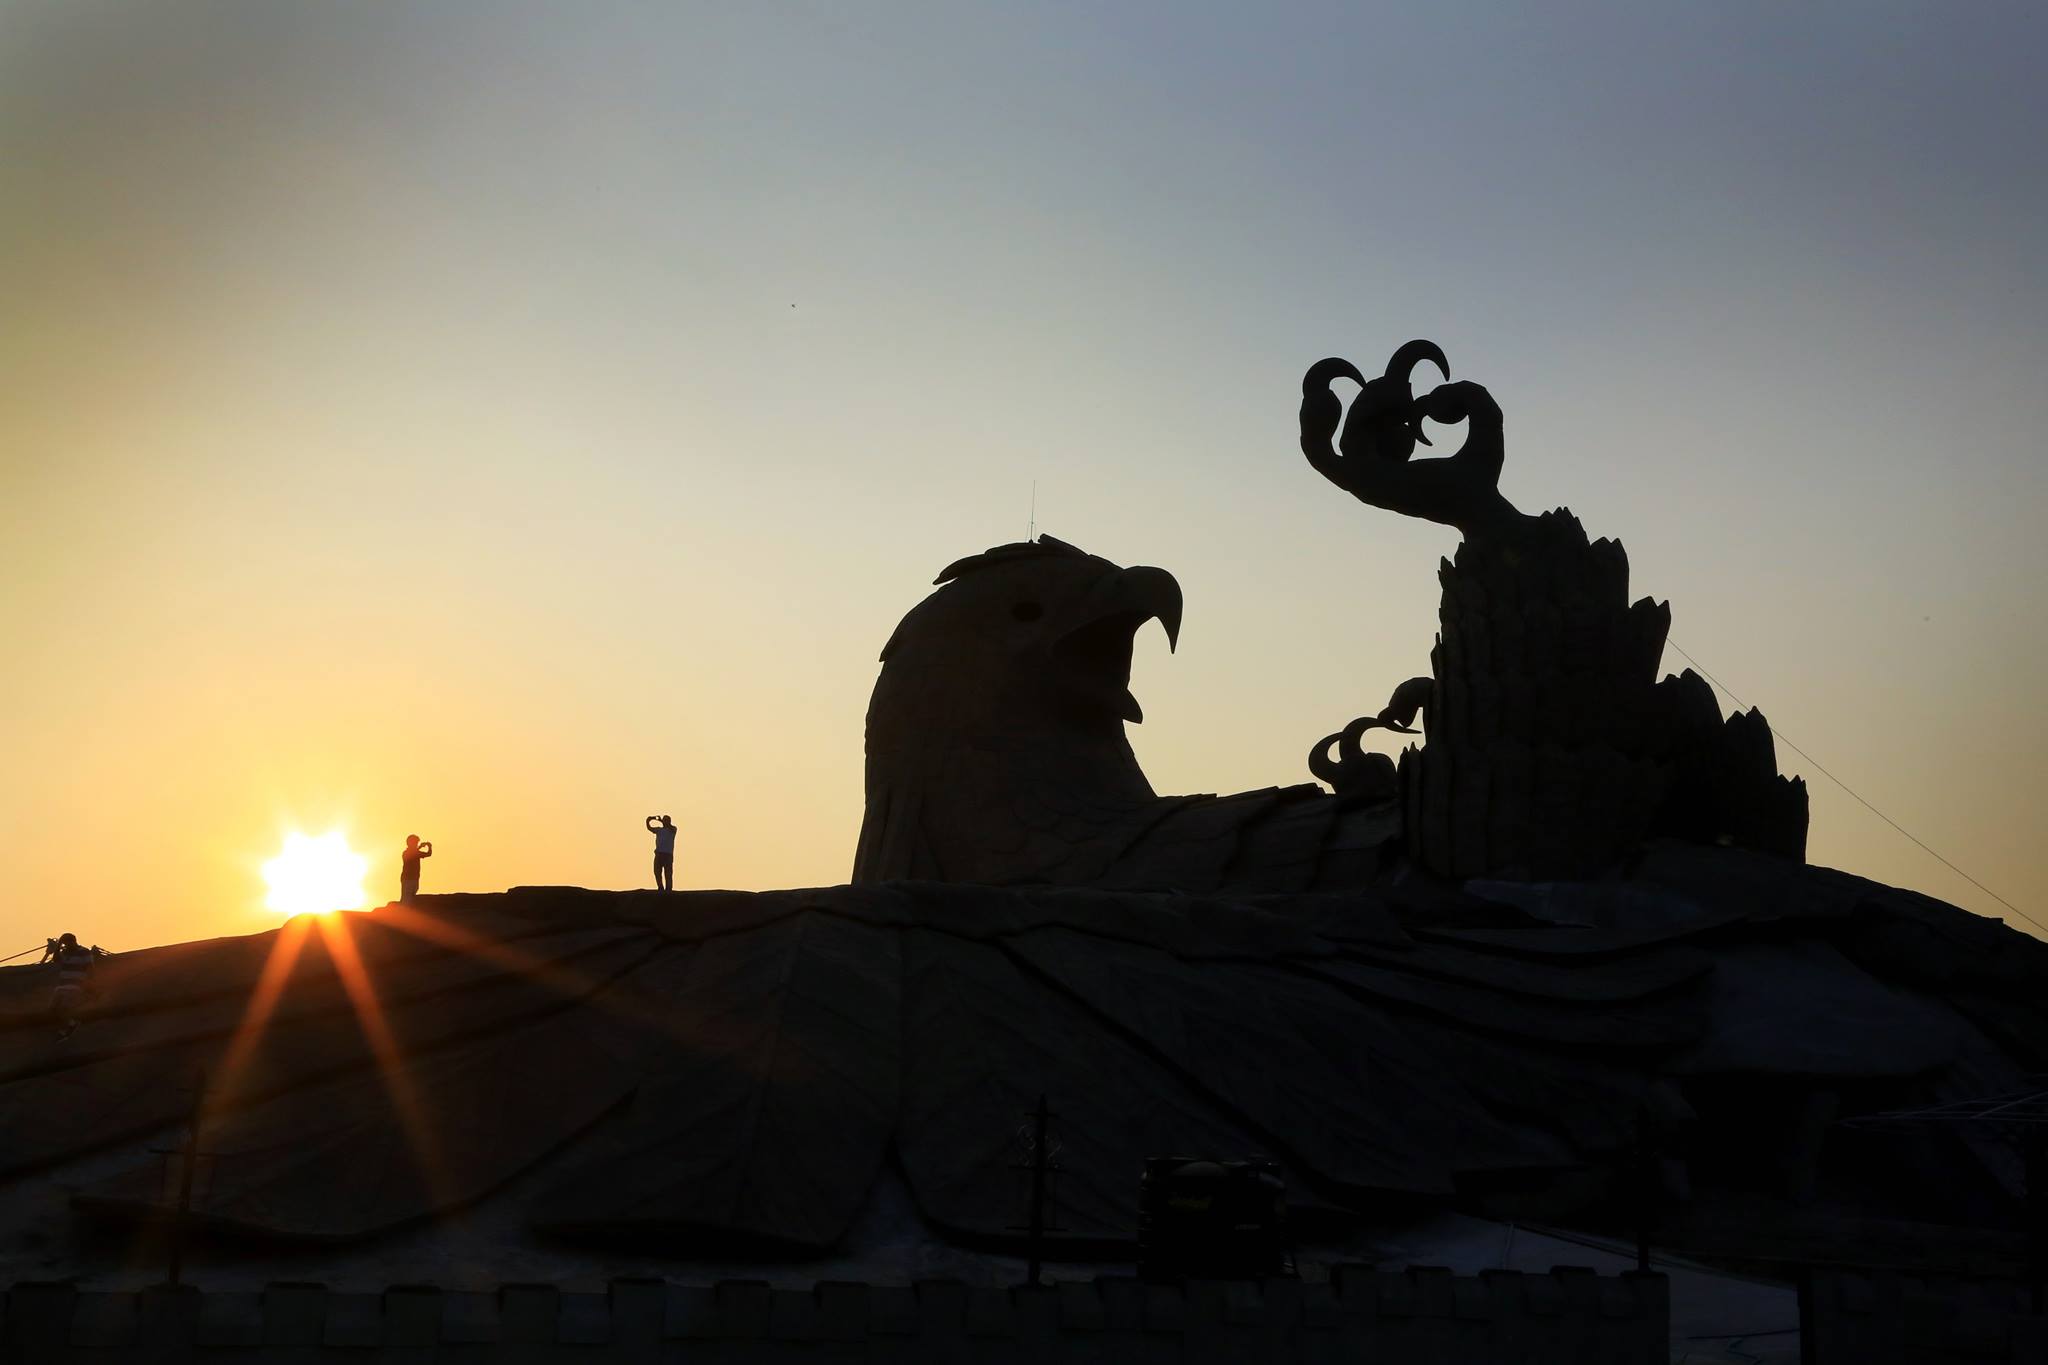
(500, 422)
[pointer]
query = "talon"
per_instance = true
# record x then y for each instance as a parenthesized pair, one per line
(1413, 353)
(1325, 372)
(1321, 410)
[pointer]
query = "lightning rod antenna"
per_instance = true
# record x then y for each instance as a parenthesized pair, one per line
(1031, 526)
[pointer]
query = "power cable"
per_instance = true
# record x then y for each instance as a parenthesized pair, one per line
(1822, 769)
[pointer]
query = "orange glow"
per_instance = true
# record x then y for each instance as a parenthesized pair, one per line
(560, 979)
(391, 1061)
(344, 474)
(565, 981)
(314, 874)
(277, 969)
(389, 1057)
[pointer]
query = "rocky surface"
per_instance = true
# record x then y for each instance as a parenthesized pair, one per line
(742, 1072)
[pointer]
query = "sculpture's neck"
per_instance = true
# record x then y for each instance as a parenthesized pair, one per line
(1101, 770)
(1016, 806)
(968, 771)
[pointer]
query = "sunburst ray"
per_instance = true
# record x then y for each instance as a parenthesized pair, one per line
(406, 1103)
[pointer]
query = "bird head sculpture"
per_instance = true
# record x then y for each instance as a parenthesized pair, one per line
(1011, 679)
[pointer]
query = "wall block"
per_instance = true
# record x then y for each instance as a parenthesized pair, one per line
(1425, 1313)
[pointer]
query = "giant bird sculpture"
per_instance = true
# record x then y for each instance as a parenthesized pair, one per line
(1572, 922)
(995, 743)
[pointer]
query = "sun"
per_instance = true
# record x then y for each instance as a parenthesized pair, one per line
(315, 874)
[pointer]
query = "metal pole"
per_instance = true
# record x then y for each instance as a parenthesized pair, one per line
(1644, 1174)
(1038, 1158)
(2037, 1214)
(191, 1158)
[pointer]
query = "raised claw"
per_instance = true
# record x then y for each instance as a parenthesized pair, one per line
(1373, 456)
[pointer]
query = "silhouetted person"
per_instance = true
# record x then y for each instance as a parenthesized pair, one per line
(409, 868)
(664, 852)
(74, 979)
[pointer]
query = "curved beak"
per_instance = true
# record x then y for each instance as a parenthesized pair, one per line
(1155, 593)
(1094, 656)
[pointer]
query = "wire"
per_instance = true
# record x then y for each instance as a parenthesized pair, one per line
(1822, 768)
(25, 952)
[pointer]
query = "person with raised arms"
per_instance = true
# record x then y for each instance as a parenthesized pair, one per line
(409, 867)
(664, 832)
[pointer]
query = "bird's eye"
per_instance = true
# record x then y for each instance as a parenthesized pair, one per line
(1027, 611)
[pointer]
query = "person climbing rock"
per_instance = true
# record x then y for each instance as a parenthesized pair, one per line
(664, 831)
(74, 979)
(409, 868)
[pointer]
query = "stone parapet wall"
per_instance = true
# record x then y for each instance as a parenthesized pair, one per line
(1873, 1318)
(1570, 1316)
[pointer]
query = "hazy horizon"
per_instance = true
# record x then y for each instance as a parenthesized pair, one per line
(499, 423)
